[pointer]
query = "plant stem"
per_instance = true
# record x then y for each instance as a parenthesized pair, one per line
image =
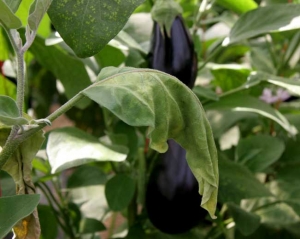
(141, 176)
(112, 224)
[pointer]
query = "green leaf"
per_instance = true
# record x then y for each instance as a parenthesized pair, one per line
(205, 93)
(268, 150)
(8, 187)
(284, 17)
(70, 147)
(144, 97)
(237, 183)
(238, 6)
(37, 11)
(110, 56)
(91, 225)
(119, 192)
(94, 23)
(69, 70)
(246, 222)
(7, 17)
(86, 176)
(246, 103)
(6, 87)
(49, 226)
(15, 208)
(290, 84)
(9, 112)
(13, 4)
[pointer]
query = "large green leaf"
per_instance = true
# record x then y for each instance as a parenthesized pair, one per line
(119, 191)
(15, 208)
(246, 103)
(259, 151)
(48, 222)
(263, 20)
(88, 25)
(9, 112)
(70, 147)
(69, 70)
(7, 17)
(144, 97)
(238, 6)
(246, 222)
(237, 183)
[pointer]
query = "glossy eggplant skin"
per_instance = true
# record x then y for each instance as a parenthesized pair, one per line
(174, 54)
(172, 198)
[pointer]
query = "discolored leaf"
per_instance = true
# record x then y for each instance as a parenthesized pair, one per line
(14, 209)
(144, 97)
(70, 147)
(94, 23)
(9, 112)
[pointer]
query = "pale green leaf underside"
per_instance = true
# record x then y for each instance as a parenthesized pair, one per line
(144, 97)
(88, 25)
(264, 20)
(14, 208)
(7, 17)
(9, 113)
(70, 147)
(37, 12)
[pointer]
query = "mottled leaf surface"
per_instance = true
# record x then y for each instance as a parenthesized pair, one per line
(88, 25)
(144, 97)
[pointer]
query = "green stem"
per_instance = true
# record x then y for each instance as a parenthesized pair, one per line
(141, 176)
(201, 10)
(112, 225)
(211, 56)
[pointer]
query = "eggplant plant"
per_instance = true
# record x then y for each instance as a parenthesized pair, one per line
(102, 133)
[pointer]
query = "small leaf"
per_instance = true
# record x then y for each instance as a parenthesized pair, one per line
(246, 222)
(144, 97)
(37, 11)
(14, 209)
(284, 17)
(205, 93)
(9, 112)
(91, 225)
(238, 6)
(13, 4)
(246, 103)
(119, 191)
(7, 17)
(70, 147)
(269, 150)
(86, 176)
(94, 23)
(238, 185)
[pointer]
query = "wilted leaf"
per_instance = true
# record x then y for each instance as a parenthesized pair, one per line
(144, 97)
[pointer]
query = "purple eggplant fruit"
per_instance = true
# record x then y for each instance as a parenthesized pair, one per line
(174, 54)
(172, 198)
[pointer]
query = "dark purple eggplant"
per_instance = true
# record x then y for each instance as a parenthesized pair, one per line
(172, 198)
(174, 54)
